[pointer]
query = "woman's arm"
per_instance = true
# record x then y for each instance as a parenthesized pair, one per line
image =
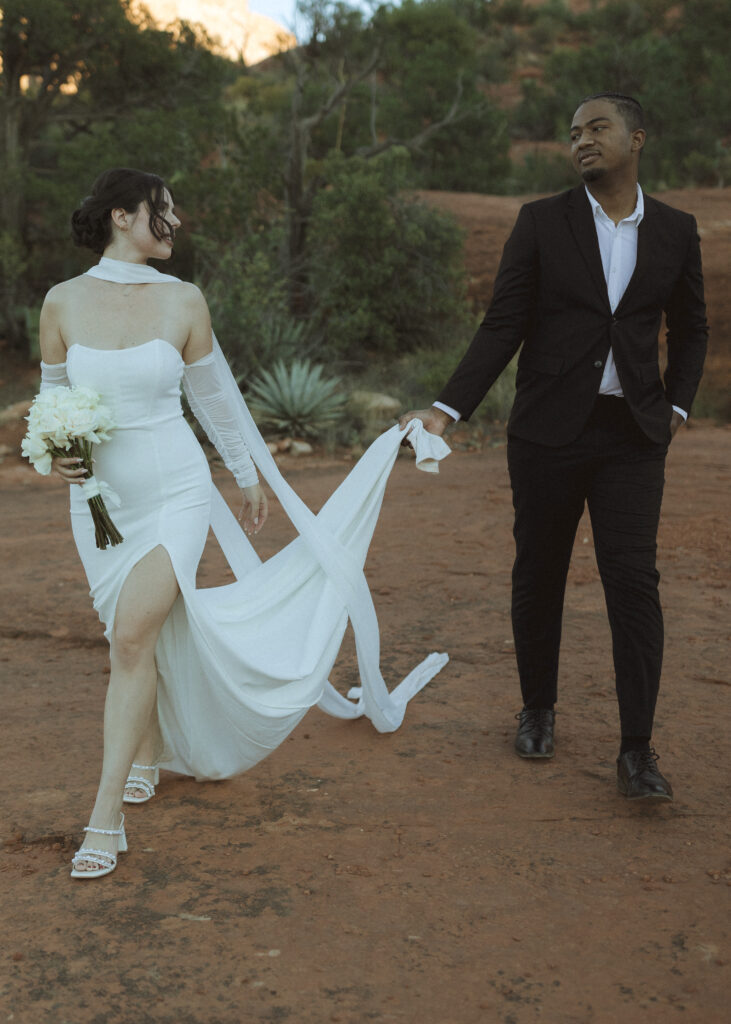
(200, 337)
(53, 347)
(208, 402)
(53, 372)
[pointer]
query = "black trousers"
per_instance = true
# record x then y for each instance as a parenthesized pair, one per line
(619, 473)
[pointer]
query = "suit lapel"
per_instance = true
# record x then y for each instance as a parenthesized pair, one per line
(646, 241)
(581, 222)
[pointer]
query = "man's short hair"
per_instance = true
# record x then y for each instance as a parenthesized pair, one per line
(629, 108)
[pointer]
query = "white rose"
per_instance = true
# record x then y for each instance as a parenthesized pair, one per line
(80, 422)
(60, 436)
(35, 450)
(84, 396)
(61, 414)
(33, 447)
(48, 420)
(44, 464)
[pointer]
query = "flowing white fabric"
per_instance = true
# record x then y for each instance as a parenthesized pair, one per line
(255, 655)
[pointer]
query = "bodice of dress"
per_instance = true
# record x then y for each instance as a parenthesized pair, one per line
(140, 385)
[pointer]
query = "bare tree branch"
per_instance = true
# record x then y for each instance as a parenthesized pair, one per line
(340, 93)
(453, 116)
(374, 105)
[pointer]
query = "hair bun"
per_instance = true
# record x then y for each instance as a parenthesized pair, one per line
(88, 226)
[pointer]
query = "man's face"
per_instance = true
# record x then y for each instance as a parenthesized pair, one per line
(601, 142)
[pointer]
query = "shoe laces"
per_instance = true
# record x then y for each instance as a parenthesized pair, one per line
(647, 759)
(541, 714)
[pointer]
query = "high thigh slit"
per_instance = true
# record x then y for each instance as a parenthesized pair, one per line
(153, 576)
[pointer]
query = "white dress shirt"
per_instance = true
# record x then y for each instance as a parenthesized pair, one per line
(618, 249)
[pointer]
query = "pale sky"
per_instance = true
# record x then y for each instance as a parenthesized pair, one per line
(283, 10)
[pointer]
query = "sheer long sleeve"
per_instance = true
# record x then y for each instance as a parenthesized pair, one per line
(53, 375)
(207, 397)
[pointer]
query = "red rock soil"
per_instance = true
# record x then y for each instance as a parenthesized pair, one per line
(429, 876)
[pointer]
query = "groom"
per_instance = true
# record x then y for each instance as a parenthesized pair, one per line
(583, 282)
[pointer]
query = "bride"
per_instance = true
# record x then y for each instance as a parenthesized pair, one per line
(204, 682)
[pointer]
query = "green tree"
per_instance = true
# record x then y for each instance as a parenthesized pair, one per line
(69, 72)
(405, 78)
(385, 272)
(672, 57)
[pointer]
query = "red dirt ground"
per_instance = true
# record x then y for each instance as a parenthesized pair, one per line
(427, 877)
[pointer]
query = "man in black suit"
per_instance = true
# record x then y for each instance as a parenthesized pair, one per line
(583, 282)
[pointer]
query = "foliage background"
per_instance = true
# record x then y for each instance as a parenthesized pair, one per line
(295, 177)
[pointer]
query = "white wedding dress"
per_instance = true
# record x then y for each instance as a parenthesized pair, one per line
(239, 665)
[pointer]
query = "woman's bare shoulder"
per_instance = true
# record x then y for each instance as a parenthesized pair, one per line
(190, 294)
(66, 291)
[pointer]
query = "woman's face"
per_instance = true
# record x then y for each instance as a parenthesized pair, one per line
(137, 234)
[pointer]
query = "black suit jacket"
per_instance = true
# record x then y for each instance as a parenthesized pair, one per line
(550, 294)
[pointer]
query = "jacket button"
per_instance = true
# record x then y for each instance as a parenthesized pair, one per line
(614, 320)
(598, 364)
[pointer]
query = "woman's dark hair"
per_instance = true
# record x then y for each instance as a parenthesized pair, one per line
(120, 187)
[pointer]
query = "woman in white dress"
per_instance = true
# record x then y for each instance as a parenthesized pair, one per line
(200, 680)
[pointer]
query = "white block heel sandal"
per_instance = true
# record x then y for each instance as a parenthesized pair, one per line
(140, 782)
(105, 860)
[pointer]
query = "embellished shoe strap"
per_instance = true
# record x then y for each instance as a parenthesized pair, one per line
(144, 767)
(137, 782)
(102, 858)
(107, 831)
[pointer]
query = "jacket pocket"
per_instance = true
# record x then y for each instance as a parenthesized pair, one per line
(542, 363)
(649, 372)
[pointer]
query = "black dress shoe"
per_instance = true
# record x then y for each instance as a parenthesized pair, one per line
(535, 733)
(638, 777)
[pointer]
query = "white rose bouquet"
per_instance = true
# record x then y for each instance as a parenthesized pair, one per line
(66, 423)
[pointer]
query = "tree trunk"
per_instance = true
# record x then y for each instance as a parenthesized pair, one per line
(13, 260)
(297, 208)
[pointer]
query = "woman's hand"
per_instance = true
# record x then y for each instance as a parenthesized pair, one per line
(70, 470)
(254, 510)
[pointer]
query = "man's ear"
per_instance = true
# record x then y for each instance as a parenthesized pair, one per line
(638, 140)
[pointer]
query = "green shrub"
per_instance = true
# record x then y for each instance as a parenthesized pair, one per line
(386, 272)
(541, 172)
(710, 169)
(497, 403)
(32, 318)
(712, 402)
(416, 379)
(247, 296)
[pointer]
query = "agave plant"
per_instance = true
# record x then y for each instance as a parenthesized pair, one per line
(282, 338)
(296, 399)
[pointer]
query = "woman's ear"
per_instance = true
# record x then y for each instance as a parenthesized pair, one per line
(119, 218)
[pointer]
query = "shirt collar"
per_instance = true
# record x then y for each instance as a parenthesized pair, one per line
(636, 215)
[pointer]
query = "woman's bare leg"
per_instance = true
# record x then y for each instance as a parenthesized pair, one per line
(146, 598)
